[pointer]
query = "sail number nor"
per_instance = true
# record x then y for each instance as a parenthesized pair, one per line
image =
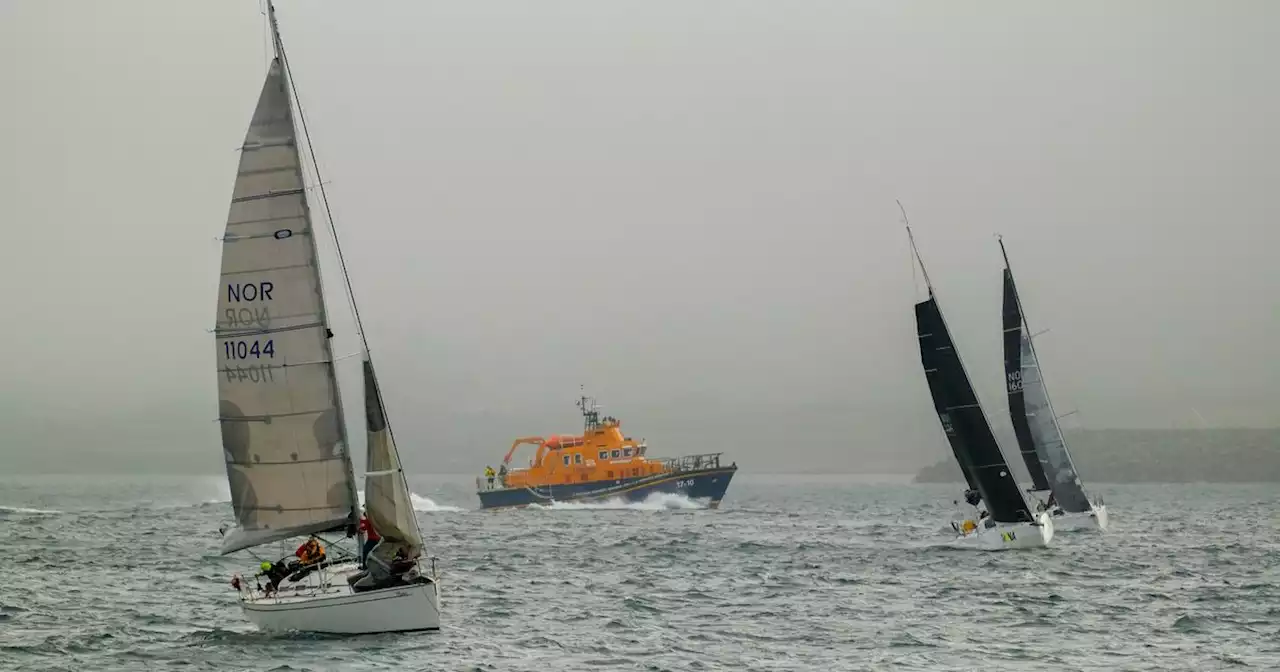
(1015, 381)
(249, 291)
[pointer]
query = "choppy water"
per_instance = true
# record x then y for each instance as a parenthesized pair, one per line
(793, 573)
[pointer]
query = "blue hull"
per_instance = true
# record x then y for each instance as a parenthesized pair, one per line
(703, 484)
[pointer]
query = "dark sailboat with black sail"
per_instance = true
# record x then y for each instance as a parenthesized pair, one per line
(1040, 438)
(1010, 521)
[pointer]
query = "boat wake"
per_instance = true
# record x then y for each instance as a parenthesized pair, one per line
(658, 501)
(5, 510)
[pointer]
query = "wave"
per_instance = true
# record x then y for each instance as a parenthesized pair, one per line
(658, 501)
(421, 503)
(23, 509)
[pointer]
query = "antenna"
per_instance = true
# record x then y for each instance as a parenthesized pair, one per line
(914, 250)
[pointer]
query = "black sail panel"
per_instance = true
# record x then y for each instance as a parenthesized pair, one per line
(963, 421)
(932, 335)
(1013, 352)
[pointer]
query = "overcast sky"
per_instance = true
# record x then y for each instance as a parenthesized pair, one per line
(687, 207)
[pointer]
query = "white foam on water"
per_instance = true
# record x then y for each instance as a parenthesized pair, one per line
(23, 509)
(657, 501)
(421, 503)
(427, 504)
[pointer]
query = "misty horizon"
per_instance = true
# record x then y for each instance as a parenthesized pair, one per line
(689, 216)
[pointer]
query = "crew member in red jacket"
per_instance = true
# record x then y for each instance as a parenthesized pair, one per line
(371, 539)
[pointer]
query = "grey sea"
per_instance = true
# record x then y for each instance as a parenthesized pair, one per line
(792, 573)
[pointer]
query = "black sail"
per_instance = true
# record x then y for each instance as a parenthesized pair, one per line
(1013, 353)
(1036, 413)
(964, 422)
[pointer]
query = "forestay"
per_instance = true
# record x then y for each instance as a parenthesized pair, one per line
(1036, 414)
(283, 435)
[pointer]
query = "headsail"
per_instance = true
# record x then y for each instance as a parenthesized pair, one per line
(1036, 413)
(283, 434)
(386, 493)
(1016, 342)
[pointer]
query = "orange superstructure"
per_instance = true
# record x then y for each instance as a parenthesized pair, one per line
(601, 453)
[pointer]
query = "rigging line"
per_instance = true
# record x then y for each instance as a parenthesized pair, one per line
(351, 298)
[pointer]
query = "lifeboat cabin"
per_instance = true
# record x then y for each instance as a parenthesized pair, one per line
(602, 463)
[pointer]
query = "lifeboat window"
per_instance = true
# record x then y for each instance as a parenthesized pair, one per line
(610, 475)
(626, 452)
(566, 460)
(617, 454)
(577, 458)
(604, 454)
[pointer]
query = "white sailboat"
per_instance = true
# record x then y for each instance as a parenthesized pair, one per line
(284, 436)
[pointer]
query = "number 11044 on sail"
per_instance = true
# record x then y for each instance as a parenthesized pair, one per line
(247, 349)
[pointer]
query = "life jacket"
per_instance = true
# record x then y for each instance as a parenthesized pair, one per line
(310, 552)
(969, 526)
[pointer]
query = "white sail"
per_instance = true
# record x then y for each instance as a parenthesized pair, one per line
(386, 493)
(283, 434)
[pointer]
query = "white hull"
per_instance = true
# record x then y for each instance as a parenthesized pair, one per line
(326, 604)
(1008, 536)
(1095, 519)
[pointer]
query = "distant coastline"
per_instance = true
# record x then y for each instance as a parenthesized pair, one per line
(1159, 456)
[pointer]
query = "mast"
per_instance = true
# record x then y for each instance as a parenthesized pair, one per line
(915, 250)
(346, 277)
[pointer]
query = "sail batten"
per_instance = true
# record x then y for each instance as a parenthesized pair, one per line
(1040, 438)
(283, 434)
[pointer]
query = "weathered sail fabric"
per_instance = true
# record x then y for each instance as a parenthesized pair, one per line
(386, 496)
(282, 430)
(1015, 338)
(964, 422)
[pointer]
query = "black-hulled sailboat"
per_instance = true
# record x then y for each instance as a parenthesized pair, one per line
(1009, 521)
(1040, 439)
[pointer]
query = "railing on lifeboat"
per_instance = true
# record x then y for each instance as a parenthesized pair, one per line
(691, 462)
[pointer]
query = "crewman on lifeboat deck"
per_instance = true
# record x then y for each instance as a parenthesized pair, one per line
(489, 474)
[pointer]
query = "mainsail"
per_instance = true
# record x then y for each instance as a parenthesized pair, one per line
(963, 420)
(283, 435)
(1040, 432)
(1016, 343)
